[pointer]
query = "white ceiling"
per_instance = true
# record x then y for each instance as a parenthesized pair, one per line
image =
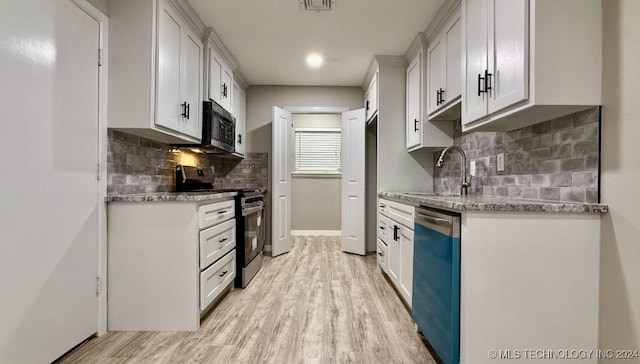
(271, 38)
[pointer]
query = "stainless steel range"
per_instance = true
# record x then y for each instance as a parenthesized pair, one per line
(250, 234)
(250, 223)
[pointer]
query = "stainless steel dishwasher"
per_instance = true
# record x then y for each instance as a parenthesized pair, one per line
(436, 281)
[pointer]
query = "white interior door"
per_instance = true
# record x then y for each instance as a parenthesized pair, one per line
(353, 182)
(50, 204)
(281, 179)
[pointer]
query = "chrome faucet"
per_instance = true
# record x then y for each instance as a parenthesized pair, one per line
(464, 183)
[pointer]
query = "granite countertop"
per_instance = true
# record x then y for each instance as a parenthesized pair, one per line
(488, 203)
(170, 196)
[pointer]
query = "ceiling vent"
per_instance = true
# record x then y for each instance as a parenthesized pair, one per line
(317, 5)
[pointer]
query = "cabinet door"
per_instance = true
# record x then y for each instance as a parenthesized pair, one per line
(214, 81)
(508, 53)
(191, 82)
(453, 76)
(393, 254)
(371, 97)
(414, 99)
(474, 45)
(437, 71)
(239, 102)
(168, 92)
(226, 80)
(405, 239)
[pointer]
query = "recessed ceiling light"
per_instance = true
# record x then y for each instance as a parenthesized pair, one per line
(314, 60)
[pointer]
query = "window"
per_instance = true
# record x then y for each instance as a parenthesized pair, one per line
(317, 151)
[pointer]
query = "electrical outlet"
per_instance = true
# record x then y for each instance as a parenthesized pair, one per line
(472, 168)
(500, 162)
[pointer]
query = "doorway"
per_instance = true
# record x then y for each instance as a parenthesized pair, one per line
(352, 171)
(316, 175)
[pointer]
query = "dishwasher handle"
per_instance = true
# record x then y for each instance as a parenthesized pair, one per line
(434, 220)
(442, 222)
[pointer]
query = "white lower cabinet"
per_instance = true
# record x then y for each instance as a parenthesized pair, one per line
(395, 242)
(382, 255)
(168, 262)
(216, 278)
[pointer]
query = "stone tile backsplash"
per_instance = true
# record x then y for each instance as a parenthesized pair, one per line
(140, 165)
(553, 160)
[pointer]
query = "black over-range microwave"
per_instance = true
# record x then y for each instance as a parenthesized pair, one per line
(218, 127)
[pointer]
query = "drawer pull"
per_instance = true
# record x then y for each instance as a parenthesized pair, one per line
(380, 253)
(381, 227)
(223, 273)
(222, 212)
(383, 205)
(223, 240)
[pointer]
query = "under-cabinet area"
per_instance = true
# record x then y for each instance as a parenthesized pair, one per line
(169, 261)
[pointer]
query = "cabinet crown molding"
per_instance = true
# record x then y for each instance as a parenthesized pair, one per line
(212, 37)
(419, 42)
(446, 11)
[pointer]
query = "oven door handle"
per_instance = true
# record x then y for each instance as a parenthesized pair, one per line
(251, 210)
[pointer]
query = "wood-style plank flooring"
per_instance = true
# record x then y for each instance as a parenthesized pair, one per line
(315, 304)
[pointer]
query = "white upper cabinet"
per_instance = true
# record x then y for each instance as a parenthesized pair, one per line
(444, 72)
(414, 101)
(371, 98)
(155, 75)
(528, 61)
(220, 79)
(420, 132)
(240, 112)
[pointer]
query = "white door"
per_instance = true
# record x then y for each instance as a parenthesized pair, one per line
(192, 82)
(474, 37)
(353, 181)
(405, 241)
(414, 100)
(49, 193)
(437, 67)
(169, 105)
(281, 179)
(453, 61)
(215, 77)
(508, 56)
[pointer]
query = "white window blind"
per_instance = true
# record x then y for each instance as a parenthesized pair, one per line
(317, 150)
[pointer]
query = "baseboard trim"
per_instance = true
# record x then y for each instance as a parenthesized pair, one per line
(316, 232)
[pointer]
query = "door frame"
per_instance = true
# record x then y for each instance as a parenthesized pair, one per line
(101, 168)
(305, 110)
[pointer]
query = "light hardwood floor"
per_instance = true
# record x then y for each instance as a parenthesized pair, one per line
(312, 305)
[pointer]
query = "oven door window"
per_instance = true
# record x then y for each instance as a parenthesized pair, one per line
(253, 235)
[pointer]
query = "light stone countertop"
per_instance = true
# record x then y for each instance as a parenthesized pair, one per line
(170, 196)
(488, 203)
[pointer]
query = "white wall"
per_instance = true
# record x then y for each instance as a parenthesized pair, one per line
(316, 200)
(262, 99)
(620, 256)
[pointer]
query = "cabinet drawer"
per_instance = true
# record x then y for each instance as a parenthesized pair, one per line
(382, 255)
(215, 278)
(216, 241)
(385, 228)
(216, 212)
(398, 212)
